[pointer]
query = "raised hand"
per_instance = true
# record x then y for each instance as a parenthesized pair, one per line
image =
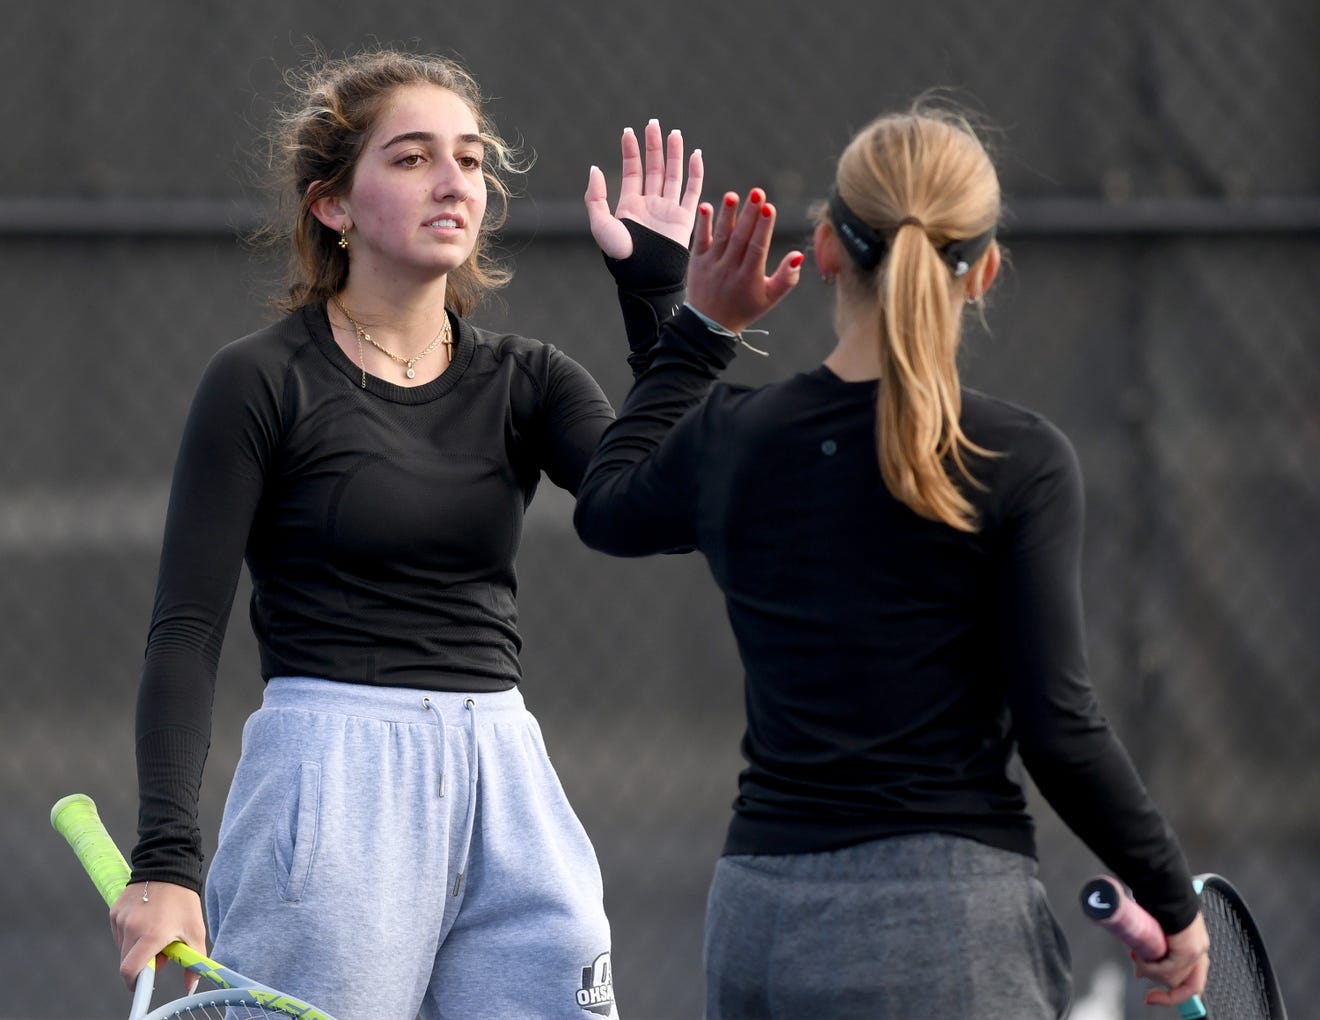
(726, 277)
(651, 194)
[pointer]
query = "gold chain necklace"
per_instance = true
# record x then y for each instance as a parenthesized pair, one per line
(445, 336)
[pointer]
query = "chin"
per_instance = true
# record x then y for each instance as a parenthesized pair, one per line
(447, 262)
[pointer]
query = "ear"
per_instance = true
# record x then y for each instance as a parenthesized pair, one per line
(825, 248)
(331, 210)
(980, 281)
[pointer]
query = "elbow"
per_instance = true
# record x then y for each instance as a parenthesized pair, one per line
(591, 521)
(602, 528)
(587, 523)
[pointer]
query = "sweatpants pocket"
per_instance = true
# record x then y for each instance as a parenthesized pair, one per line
(1052, 955)
(296, 833)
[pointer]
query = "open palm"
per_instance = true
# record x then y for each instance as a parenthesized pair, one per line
(651, 193)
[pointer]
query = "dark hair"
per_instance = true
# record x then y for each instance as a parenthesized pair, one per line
(314, 150)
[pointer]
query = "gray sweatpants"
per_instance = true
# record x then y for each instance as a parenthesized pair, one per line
(893, 929)
(388, 853)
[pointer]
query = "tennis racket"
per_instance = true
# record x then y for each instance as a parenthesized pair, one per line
(1106, 903)
(235, 998)
(1241, 984)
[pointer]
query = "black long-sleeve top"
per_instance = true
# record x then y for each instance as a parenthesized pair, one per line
(893, 664)
(379, 524)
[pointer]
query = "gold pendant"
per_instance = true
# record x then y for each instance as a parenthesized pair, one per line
(410, 373)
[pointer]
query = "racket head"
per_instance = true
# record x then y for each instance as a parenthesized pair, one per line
(235, 1004)
(1241, 982)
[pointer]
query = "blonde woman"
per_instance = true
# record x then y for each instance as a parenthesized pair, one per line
(370, 456)
(900, 557)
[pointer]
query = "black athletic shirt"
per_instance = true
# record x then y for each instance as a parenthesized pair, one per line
(893, 664)
(379, 525)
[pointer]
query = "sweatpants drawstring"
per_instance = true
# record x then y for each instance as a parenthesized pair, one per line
(469, 822)
(440, 730)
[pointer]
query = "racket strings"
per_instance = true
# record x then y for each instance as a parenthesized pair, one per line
(223, 1004)
(219, 1012)
(1238, 986)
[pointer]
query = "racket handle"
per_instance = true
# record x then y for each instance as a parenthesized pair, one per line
(75, 818)
(1106, 903)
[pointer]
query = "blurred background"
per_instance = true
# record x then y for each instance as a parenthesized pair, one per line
(1161, 164)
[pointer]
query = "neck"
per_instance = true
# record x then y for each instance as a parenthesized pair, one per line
(393, 332)
(856, 354)
(395, 309)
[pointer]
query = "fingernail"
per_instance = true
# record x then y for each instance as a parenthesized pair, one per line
(696, 152)
(756, 197)
(795, 261)
(704, 209)
(653, 120)
(627, 131)
(767, 209)
(730, 200)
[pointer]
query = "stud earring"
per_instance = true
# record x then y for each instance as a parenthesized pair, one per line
(343, 237)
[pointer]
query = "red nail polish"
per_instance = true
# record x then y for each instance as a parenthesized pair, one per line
(767, 209)
(756, 197)
(795, 261)
(730, 200)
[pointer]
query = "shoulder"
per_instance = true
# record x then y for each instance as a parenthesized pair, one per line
(1033, 462)
(265, 353)
(729, 406)
(539, 364)
(249, 376)
(1024, 436)
(511, 347)
(766, 399)
(764, 408)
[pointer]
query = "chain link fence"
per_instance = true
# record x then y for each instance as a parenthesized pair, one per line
(1161, 165)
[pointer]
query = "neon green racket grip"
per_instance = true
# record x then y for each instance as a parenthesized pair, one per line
(74, 817)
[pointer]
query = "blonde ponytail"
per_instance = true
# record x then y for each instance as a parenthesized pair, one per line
(920, 398)
(923, 183)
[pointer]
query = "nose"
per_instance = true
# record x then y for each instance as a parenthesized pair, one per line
(451, 182)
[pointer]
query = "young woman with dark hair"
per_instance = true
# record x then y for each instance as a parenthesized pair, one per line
(370, 456)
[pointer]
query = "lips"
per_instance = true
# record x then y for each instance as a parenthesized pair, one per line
(445, 222)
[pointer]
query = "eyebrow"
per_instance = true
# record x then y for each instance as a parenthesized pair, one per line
(427, 136)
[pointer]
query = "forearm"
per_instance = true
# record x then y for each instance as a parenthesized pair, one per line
(639, 493)
(173, 738)
(1096, 790)
(650, 288)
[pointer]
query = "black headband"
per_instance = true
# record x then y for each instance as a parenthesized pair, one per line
(867, 247)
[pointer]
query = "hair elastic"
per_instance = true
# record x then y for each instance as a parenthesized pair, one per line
(867, 246)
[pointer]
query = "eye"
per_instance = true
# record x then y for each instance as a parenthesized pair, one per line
(412, 159)
(469, 161)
